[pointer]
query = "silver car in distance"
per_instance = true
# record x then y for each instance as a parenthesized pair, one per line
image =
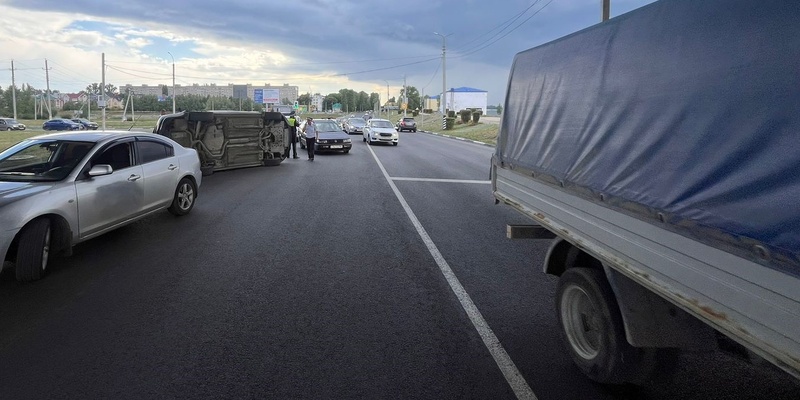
(61, 189)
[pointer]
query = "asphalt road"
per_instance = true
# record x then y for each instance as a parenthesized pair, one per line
(312, 280)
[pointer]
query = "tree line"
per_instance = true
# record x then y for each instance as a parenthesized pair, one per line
(350, 101)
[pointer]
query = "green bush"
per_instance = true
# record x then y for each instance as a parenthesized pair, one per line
(415, 113)
(476, 116)
(465, 115)
(451, 113)
(450, 122)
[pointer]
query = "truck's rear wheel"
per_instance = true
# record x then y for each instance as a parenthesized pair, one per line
(592, 327)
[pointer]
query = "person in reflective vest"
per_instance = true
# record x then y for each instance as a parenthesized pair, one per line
(292, 136)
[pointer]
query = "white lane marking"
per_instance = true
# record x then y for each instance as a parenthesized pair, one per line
(440, 180)
(501, 357)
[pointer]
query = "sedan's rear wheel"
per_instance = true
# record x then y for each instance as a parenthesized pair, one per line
(183, 201)
(33, 251)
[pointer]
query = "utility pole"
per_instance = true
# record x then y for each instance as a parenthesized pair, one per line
(13, 90)
(444, 79)
(606, 10)
(103, 91)
(173, 84)
(422, 107)
(387, 98)
(47, 76)
(405, 97)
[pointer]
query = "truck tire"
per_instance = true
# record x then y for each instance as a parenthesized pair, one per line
(33, 251)
(592, 328)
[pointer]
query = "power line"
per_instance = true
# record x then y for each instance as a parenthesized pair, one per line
(433, 76)
(138, 76)
(121, 69)
(381, 69)
(78, 74)
(505, 24)
(299, 64)
(506, 34)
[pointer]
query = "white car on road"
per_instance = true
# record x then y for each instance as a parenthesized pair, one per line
(62, 189)
(380, 131)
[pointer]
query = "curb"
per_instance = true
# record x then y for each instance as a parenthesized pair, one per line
(457, 138)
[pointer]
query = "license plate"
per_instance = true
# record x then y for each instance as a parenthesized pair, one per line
(336, 146)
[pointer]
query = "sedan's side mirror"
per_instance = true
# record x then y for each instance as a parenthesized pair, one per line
(100, 170)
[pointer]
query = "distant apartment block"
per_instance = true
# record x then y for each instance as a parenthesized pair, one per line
(230, 90)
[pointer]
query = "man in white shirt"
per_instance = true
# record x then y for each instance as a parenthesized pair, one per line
(311, 136)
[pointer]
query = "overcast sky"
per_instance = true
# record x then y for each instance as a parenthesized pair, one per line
(319, 45)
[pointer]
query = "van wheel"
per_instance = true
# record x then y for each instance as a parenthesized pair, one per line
(33, 251)
(592, 327)
(273, 162)
(183, 201)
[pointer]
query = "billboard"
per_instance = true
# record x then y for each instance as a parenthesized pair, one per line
(272, 96)
(258, 96)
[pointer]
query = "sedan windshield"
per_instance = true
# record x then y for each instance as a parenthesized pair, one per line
(381, 124)
(327, 126)
(41, 160)
(357, 121)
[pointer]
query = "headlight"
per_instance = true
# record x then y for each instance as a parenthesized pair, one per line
(347, 140)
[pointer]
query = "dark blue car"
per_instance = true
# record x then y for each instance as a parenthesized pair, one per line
(61, 124)
(89, 125)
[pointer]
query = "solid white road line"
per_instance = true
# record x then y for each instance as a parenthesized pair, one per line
(441, 180)
(501, 357)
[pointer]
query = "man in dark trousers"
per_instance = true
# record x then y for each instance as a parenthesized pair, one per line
(292, 135)
(311, 136)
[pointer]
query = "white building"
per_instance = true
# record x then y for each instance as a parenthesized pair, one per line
(457, 99)
(316, 102)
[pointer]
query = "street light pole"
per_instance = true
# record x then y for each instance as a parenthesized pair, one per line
(173, 82)
(387, 97)
(444, 78)
(405, 97)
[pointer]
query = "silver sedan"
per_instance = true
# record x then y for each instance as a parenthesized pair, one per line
(62, 189)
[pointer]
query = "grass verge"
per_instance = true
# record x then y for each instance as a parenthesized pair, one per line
(482, 132)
